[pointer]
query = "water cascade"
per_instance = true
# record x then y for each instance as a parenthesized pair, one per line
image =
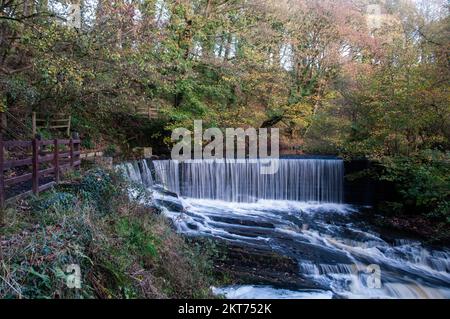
(298, 213)
(306, 180)
(137, 172)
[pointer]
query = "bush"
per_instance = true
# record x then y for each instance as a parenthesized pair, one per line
(111, 150)
(87, 142)
(49, 208)
(423, 182)
(56, 201)
(98, 187)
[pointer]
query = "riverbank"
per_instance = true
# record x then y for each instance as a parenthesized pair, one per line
(122, 249)
(418, 227)
(408, 195)
(243, 265)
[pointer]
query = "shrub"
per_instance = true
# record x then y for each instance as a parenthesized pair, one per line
(55, 201)
(423, 182)
(36, 259)
(111, 150)
(97, 187)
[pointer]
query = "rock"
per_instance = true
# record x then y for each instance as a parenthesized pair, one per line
(171, 206)
(164, 191)
(256, 266)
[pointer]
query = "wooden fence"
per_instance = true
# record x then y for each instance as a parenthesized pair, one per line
(55, 122)
(148, 111)
(57, 156)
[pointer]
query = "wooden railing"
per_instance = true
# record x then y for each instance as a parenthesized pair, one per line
(148, 111)
(55, 122)
(54, 156)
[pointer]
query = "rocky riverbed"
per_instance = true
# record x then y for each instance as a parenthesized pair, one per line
(308, 250)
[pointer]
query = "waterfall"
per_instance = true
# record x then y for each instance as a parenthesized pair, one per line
(315, 180)
(167, 175)
(138, 172)
(297, 213)
(146, 174)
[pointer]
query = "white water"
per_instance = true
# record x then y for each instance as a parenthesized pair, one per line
(332, 247)
(137, 172)
(265, 292)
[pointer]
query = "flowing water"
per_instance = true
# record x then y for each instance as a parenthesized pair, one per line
(242, 181)
(298, 213)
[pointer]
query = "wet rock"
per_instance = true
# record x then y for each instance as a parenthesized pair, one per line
(251, 265)
(192, 226)
(243, 222)
(247, 232)
(164, 191)
(172, 206)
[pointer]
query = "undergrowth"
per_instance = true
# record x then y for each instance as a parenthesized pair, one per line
(124, 248)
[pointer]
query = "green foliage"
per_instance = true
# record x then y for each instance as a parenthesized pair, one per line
(111, 150)
(45, 134)
(423, 183)
(18, 89)
(97, 187)
(128, 253)
(54, 201)
(136, 238)
(339, 88)
(38, 254)
(87, 142)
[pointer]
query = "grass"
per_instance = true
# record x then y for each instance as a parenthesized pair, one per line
(124, 249)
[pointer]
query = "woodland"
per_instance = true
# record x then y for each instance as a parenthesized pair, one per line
(352, 78)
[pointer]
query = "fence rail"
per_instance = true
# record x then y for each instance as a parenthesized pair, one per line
(55, 122)
(148, 111)
(57, 155)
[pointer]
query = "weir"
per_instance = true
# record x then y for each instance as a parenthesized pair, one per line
(317, 180)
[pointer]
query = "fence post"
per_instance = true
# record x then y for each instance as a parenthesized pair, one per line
(69, 124)
(72, 162)
(4, 122)
(33, 120)
(2, 181)
(35, 162)
(56, 160)
(77, 148)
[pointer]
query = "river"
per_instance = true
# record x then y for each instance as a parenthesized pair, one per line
(298, 213)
